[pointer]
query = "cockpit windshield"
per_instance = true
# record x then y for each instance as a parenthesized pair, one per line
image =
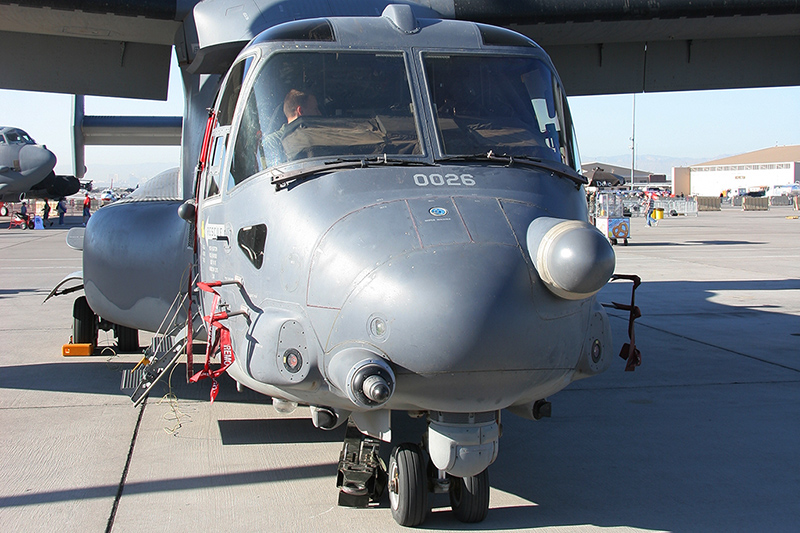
(19, 137)
(325, 104)
(504, 104)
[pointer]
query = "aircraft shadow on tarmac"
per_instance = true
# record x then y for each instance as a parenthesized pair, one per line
(6, 293)
(275, 431)
(104, 377)
(692, 297)
(252, 477)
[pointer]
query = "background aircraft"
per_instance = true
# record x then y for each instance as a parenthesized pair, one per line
(26, 170)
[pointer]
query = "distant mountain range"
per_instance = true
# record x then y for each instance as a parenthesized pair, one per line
(123, 175)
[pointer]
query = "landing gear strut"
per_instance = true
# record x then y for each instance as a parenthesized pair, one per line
(362, 473)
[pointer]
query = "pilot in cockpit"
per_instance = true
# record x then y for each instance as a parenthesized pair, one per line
(295, 105)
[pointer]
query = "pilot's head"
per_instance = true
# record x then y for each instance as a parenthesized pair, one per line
(298, 104)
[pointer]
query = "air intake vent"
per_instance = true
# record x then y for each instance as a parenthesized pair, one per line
(402, 17)
(299, 30)
(493, 36)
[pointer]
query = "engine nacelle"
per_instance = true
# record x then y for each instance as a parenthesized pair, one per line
(136, 260)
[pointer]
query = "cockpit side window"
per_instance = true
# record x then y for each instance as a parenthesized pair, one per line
(509, 105)
(325, 104)
(567, 139)
(2, 139)
(13, 137)
(233, 88)
(211, 184)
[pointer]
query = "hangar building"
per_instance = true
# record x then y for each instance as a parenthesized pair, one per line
(748, 172)
(642, 179)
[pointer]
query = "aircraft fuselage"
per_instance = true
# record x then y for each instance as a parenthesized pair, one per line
(390, 212)
(384, 231)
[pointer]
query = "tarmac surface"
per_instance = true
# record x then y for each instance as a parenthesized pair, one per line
(703, 436)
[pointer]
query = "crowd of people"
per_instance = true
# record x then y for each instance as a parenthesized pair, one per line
(61, 207)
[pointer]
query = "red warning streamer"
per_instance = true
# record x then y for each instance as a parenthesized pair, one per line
(221, 336)
(629, 350)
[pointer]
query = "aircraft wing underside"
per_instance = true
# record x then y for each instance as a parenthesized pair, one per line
(599, 46)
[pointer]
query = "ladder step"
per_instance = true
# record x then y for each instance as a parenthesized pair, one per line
(163, 353)
(131, 379)
(159, 366)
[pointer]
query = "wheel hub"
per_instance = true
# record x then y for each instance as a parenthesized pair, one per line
(394, 486)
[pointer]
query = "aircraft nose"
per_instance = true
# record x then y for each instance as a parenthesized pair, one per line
(460, 315)
(447, 307)
(36, 159)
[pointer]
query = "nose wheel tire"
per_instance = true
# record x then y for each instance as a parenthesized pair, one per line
(469, 497)
(408, 485)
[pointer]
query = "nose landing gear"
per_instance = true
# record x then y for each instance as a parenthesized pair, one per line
(410, 479)
(469, 497)
(408, 485)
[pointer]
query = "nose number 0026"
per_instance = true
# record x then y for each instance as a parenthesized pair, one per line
(439, 180)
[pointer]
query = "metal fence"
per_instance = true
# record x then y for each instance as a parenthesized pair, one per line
(672, 206)
(678, 206)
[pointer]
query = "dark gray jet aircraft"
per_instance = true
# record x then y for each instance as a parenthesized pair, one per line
(379, 207)
(26, 170)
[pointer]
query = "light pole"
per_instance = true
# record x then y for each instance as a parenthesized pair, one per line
(633, 140)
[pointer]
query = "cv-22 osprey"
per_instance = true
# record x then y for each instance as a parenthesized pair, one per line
(388, 216)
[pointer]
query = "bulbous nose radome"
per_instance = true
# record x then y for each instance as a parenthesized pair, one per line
(573, 258)
(33, 157)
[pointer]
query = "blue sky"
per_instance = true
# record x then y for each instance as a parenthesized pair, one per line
(696, 126)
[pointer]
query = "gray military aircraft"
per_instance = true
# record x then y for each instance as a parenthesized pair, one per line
(388, 215)
(26, 170)
(406, 234)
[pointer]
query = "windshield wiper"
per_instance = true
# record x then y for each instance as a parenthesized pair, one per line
(561, 169)
(280, 179)
(510, 160)
(381, 160)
